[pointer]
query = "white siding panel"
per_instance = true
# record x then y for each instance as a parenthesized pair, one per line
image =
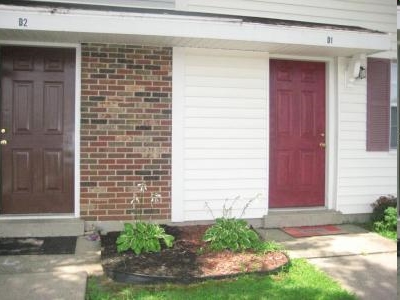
(227, 72)
(230, 102)
(225, 164)
(225, 174)
(224, 123)
(374, 14)
(362, 176)
(225, 92)
(211, 143)
(225, 131)
(227, 112)
(122, 3)
(224, 153)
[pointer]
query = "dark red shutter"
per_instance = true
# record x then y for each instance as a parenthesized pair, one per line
(378, 102)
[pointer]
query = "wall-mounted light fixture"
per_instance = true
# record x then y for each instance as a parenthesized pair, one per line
(356, 69)
(362, 73)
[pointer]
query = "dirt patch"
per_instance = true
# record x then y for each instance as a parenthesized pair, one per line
(186, 259)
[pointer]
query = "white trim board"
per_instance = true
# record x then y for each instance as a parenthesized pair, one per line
(77, 184)
(191, 31)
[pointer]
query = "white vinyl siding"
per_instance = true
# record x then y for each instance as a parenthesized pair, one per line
(223, 109)
(373, 14)
(121, 3)
(362, 176)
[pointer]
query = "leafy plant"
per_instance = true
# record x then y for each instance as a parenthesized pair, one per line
(232, 234)
(381, 205)
(268, 246)
(140, 236)
(389, 222)
(143, 237)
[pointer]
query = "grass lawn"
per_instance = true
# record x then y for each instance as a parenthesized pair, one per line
(390, 234)
(300, 281)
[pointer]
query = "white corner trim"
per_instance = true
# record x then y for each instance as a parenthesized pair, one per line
(77, 169)
(178, 99)
(267, 131)
(331, 136)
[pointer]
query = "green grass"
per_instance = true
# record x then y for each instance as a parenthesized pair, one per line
(390, 234)
(300, 281)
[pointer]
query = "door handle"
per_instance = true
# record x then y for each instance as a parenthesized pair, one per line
(3, 142)
(322, 145)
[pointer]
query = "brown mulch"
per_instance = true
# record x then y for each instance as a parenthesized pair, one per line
(184, 260)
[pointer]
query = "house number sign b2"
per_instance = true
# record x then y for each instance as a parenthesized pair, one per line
(22, 22)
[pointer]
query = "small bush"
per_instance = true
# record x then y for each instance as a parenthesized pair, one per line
(143, 237)
(389, 222)
(231, 234)
(381, 205)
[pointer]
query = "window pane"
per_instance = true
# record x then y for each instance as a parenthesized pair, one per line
(393, 127)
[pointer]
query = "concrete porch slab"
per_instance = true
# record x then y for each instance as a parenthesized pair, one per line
(41, 227)
(50, 277)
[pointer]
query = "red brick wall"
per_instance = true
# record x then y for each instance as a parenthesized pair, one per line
(125, 129)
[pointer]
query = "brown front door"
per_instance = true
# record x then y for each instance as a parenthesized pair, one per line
(297, 134)
(37, 117)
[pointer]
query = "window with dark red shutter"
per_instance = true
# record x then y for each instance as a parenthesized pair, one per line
(378, 104)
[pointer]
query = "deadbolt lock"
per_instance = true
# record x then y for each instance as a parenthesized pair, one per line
(3, 130)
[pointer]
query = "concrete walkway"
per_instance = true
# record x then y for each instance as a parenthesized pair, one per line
(362, 262)
(49, 277)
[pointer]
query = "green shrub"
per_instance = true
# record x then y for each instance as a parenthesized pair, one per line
(381, 205)
(143, 237)
(389, 222)
(231, 234)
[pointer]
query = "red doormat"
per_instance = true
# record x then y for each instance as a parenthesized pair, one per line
(306, 231)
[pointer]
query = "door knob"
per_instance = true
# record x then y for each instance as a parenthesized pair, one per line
(322, 145)
(3, 142)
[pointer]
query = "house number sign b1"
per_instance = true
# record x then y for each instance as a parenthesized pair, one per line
(329, 39)
(22, 22)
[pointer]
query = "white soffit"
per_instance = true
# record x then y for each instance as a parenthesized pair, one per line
(74, 25)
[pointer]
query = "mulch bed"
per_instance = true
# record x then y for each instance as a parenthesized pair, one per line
(38, 245)
(183, 262)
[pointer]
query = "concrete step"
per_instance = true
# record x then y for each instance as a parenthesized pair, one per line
(285, 218)
(41, 227)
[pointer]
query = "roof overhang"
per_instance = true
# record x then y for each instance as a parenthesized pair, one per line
(70, 25)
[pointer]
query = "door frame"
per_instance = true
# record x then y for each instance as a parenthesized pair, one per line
(77, 126)
(331, 123)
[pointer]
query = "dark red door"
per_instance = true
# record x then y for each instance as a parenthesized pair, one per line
(37, 117)
(297, 134)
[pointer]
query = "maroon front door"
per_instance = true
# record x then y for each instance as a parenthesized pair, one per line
(37, 129)
(297, 134)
